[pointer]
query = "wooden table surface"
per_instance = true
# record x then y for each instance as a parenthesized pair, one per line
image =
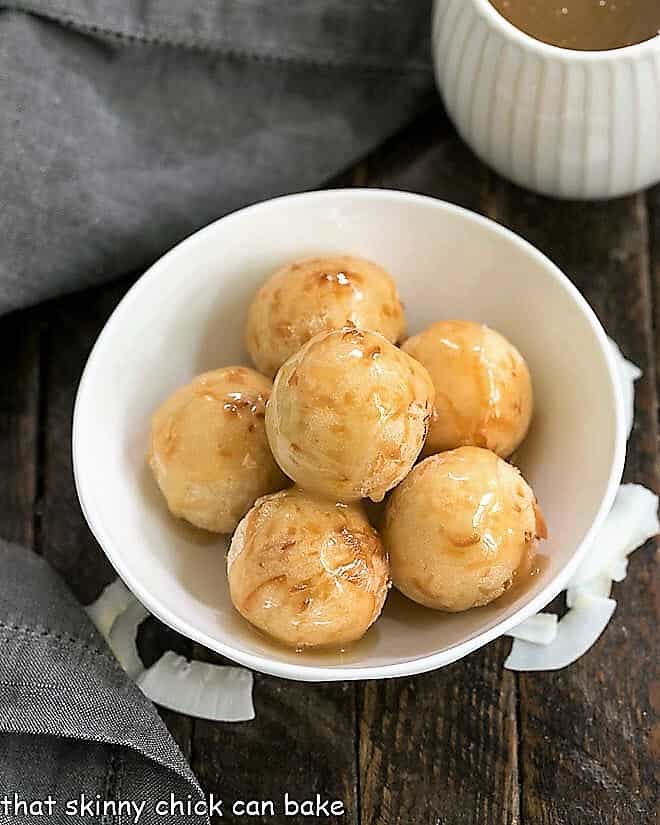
(471, 743)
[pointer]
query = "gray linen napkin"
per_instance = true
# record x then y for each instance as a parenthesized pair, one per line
(126, 125)
(71, 724)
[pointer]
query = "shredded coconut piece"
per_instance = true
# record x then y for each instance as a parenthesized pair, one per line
(222, 694)
(540, 629)
(578, 630)
(199, 689)
(112, 602)
(632, 520)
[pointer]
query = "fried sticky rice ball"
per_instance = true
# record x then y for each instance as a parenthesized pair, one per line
(348, 415)
(208, 450)
(307, 571)
(462, 526)
(316, 295)
(483, 390)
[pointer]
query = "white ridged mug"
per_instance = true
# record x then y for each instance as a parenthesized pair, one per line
(574, 124)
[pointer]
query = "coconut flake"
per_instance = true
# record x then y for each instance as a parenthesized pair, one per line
(123, 636)
(540, 629)
(628, 374)
(599, 586)
(617, 570)
(632, 520)
(222, 694)
(577, 631)
(112, 602)
(214, 692)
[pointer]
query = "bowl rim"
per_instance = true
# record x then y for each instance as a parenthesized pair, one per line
(318, 673)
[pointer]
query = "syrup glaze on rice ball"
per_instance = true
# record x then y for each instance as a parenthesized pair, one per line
(460, 529)
(208, 449)
(483, 390)
(307, 571)
(316, 295)
(349, 414)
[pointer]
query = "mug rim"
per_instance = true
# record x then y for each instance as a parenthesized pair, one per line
(488, 11)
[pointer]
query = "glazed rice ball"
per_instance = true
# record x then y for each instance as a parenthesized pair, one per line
(483, 390)
(208, 450)
(316, 295)
(460, 529)
(307, 571)
(348, 415)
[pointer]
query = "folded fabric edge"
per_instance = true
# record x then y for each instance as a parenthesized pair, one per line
(24, 698)
(181, 792)
(84, 699)
(227, 29)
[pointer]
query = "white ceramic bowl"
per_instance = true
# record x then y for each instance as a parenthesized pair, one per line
(575, 124)
(187, 314)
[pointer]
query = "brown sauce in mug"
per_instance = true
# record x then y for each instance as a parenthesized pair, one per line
(586, 25)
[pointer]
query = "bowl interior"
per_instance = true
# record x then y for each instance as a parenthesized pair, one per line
(187, 314)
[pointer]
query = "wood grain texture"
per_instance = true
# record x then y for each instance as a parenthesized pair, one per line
(428, 158)
(71, 326)
(19, 411)
(301, 742)
(653, 207)
(442, 747)
(587, 752)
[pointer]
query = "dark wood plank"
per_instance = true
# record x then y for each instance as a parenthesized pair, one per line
(586, 747)
(441, 747)
(653, 207)
(70, 329)
(71, 326)
(428, 158)
(19, 411)
(301, 742)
